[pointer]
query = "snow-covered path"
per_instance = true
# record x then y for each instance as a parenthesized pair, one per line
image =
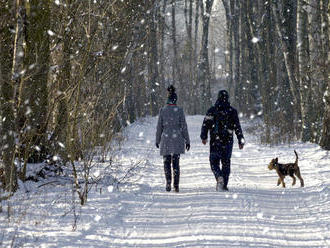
(254, 213)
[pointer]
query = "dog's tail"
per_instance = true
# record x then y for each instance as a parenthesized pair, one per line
(296, 157)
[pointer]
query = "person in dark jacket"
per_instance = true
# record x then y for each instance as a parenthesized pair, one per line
(222, 121)
(172, 137)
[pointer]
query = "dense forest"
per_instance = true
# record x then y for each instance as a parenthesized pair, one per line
(73, 73)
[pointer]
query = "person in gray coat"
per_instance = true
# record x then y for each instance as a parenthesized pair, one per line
(172, 137)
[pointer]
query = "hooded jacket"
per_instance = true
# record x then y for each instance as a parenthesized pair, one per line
(222, 121)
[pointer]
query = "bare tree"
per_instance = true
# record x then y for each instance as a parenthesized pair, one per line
(304, 71)
(7, 116)
(204, 77)
(325, 139)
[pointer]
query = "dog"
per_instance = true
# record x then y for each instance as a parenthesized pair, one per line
(283, 170)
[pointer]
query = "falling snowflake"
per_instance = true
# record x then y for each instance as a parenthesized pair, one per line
(96, 173)
(61, 144)
(50, 32)
(255, 40)
(22, 72)
(110, 188)
(28, 111)
(31, 66)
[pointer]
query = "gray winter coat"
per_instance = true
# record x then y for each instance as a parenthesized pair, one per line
(172, 132)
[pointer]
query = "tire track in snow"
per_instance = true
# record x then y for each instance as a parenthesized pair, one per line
(254, 213)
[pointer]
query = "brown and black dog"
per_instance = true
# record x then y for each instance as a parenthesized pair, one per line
(283, 170)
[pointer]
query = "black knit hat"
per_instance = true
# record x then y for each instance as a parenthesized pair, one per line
(172, 97)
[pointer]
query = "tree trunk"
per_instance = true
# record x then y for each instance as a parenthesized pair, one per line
(195, 94)
(64, 79)
(190, 92)
(7, 86)
(162, 28)
(229, 44)
(260, 26)
(317, 63)
(237, 52)
(251, 95)
(244, 94)
(204, 78)
(175, 70)
(153, 62)
(304, 72)
(325, 139)
(288, 51)
(36, 60)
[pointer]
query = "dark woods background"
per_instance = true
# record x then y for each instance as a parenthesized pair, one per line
(73, 72)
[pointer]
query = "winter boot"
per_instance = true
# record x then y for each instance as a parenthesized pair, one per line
(219, 183)
(176, 189)
(225, 188)
(168, 187)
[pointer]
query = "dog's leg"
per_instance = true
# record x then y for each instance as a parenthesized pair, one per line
(279, 181)
(300, 178)
(294, 180)
(283, 183)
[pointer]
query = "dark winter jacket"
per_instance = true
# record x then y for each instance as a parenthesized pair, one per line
(222, 121)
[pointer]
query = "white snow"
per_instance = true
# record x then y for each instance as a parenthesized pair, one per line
(50, 32)
(255, 40)
(61, 144)
(254, 213)
(123, 70)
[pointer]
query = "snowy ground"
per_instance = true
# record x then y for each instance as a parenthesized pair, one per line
(254, 213)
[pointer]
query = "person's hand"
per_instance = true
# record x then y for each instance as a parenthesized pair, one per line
(241, 146)
(157, 145)
(188, 147)
(204, 142)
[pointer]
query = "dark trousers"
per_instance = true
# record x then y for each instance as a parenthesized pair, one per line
(174, 160)
(221, 152)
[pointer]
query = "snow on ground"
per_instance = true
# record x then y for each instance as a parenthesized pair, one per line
(254, 213)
